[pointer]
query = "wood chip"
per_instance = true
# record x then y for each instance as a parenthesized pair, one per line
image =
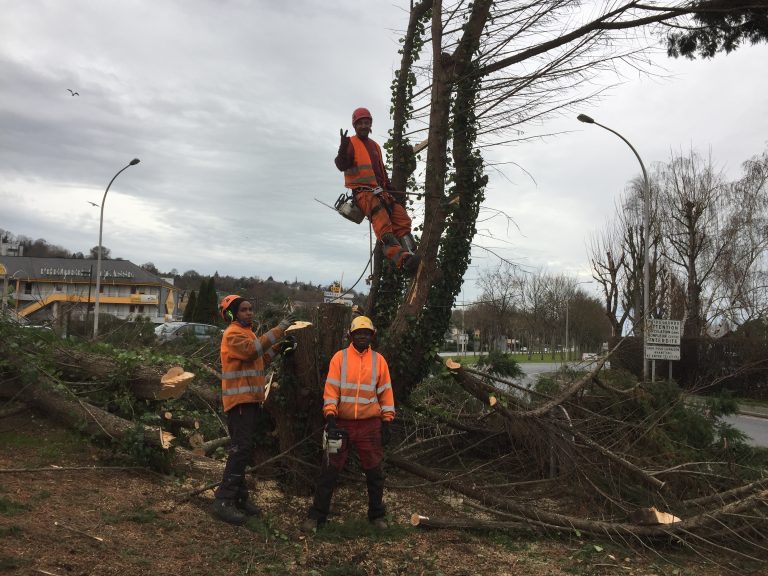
(165, 439)
(652, 517)
(298, 325)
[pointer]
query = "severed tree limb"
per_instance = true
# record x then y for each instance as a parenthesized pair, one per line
(68, 469)
(707, 521)
(722, 497)
(480, 390)
(464, 523)
(452, 422)
(79, 415)
(211, 445)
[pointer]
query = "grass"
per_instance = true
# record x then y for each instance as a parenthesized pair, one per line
(48, 449)
(138, 514)
(11, 530)
(10, 562)
(355, 529)
(9, 507)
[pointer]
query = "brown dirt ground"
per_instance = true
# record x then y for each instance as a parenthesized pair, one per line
(49, 521)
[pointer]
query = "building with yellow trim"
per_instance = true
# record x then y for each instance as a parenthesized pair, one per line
(43, 290)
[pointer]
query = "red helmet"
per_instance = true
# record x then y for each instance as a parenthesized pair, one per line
(361, 113)
(224, 305)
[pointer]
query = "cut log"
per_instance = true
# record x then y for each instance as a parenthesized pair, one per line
(145, 382)
(651, 517)
(211, 445)
(181, 422)
(464, 523)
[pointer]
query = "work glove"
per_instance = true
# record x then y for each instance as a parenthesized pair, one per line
(344, 144)
(287, 321)
(386, 433)
(288, 345)
(330, 424)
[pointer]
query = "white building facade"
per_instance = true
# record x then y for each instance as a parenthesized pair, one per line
(44, 289)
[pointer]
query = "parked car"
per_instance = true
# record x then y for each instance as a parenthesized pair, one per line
(173, 330)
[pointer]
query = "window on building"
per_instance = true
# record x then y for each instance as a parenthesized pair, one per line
(57, 287)
(133, 289)
(141, 309)
(101, 288)
(131, 308)
(27, 287)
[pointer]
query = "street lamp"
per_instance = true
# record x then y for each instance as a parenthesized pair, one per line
(98, 256)
(646, 220)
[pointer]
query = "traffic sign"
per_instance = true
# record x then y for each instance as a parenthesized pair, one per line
(655, 352)
(662, 331)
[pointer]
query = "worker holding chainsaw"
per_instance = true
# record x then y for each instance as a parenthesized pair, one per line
(361, 161)
(358, 405)
(243, 359)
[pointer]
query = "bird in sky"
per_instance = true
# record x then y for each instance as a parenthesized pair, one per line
(92, 203)
(73, 93)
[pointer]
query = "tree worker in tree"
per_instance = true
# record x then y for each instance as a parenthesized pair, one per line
(358, 405)
(243, 359)
(361, 161)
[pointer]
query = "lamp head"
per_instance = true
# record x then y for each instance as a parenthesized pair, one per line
(584, 118)
(134, 162)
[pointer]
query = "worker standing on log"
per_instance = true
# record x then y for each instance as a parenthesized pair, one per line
(358, 405)
(361, 161)
(243, 359)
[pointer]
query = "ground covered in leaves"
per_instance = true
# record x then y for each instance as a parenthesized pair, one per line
(107, 521)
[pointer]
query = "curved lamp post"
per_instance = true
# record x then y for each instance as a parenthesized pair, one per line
(646, 221)
(98, 256)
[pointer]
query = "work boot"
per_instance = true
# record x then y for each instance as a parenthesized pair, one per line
(248, 508)
(379, 524)
(411, 264)
(226, 511)
(309, 525)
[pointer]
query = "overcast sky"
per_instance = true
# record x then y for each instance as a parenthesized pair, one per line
(234, 108)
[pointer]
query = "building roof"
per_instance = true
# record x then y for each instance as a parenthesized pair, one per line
(77, 270)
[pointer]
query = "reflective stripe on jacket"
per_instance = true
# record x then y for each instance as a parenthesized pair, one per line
(358, 386)
(361, 172)
(243, 359)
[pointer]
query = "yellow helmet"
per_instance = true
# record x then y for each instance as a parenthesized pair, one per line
(360, 323)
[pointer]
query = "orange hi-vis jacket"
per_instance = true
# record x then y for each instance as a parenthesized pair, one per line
(362, 174)
(358, 386)
(243, 359)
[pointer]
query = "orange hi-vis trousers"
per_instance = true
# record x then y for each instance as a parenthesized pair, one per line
(397, 222)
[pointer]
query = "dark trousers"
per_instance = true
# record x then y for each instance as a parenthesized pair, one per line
(241, 422)
(365, 437)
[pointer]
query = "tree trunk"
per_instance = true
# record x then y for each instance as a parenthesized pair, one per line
(145, 382)
(295, 403)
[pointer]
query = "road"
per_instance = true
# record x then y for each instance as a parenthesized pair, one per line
(755, 428)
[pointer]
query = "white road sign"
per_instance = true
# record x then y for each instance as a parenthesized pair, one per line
(663, 332)
(653, 352)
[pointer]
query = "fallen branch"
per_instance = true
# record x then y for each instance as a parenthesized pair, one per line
(464, 523)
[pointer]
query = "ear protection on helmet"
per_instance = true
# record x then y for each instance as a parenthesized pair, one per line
(224, 305)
